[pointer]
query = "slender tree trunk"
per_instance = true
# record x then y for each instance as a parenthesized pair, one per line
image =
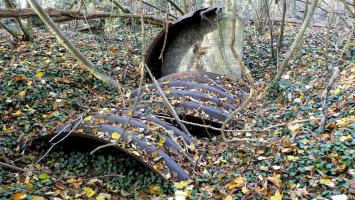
(71, 48)
(26, 34)
(177, 7)
(297, 40)
(185, 6)
(279, 48)
(327, 34)
(305, 10)
(273, 57)
(120, 6)
(12, 33)
(29, 20)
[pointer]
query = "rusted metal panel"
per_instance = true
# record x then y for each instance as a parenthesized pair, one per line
(204, 95)
(155, 48)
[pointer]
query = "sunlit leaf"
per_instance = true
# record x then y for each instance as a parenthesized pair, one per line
(116, 136)
(276, 196)
(181, 184)
(88, 192)
(326, 181)
(39, 74)
(22, 93)
(276, 180)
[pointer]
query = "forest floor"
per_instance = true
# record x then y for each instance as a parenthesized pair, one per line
(42, 87)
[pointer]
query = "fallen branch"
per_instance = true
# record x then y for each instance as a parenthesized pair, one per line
(13, 167)
(66, 15)
(324, 97)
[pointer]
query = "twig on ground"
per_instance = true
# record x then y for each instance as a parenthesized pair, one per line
(324, 97)
(62, 139)
(244, 130)
(13, 167)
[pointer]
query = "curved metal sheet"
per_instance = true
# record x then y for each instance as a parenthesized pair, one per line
(154, 50)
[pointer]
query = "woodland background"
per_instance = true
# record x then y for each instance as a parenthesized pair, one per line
(303, 104)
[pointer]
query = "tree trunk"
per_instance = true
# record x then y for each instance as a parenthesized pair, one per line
(71, 48)
(26, 33)
(120, 6)
(12, 33)
(177, 7)
(297, 40)
(185, 6)
(279, 48)
(29, 20)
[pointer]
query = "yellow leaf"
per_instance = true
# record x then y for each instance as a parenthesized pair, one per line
(161, 141)
(229, 197)
(37, 198)
(39, 74)
(326, 181)
(153, 127)
(294, 127)
(29, 186)
(275, 180)
(88, 118)
(116, 136)
(19, 196)
(181, 184)
(103, 196)
(192, 147)
(239, 180)
(22, 93)
(276, 196)
(155, 189)
(337, 91)
(88, 191)
(292, 158)
(17, 113)
(180, 195)
(245, 190)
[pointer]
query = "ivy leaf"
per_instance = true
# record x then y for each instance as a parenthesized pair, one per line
(43, 176)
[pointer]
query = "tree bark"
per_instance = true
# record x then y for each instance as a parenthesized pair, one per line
(297, 40)
(12, 33)
(279, 48)
(177, 7)
(120, 6)
(74, 14)
(71, 48)
(26, 33)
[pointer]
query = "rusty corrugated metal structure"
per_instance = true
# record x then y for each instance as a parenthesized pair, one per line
(147, 132)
